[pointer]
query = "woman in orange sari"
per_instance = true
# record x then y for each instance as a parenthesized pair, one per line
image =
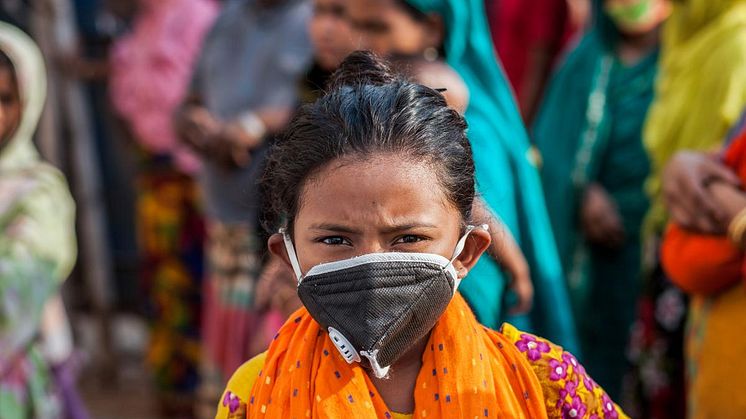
(373, 187)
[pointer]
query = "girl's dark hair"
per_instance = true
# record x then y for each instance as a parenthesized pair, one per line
(368, 110)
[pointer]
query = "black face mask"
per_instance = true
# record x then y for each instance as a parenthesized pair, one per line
(378, 305)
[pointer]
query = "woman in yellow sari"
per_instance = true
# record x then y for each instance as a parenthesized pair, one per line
(700, 94)
(373, 188)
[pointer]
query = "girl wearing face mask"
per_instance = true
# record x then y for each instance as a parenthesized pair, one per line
(506, 174)
(373, 188)
(37, 244)
(589, 130)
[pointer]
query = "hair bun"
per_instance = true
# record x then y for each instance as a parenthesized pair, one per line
(361, 68)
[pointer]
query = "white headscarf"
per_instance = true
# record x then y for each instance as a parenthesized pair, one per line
(37, 216)
(30, 72)
(29, 186)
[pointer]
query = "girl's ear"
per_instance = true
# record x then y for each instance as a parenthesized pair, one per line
(277, 248)
(476, 244)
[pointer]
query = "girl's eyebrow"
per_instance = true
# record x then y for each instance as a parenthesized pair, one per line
(338, 228)
(407, 226)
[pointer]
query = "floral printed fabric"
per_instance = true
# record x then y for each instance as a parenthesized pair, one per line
(568, 390)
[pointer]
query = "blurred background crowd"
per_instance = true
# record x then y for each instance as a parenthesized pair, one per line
(134, 276)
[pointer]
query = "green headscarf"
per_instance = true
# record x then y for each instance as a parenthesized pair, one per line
(506, 178)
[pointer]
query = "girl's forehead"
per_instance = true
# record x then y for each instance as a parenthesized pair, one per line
(374, 190)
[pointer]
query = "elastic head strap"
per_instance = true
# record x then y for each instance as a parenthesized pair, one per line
(291, 254)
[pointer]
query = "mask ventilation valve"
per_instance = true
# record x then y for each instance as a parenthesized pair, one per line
(344, 346)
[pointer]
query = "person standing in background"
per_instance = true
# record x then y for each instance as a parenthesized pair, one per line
(332, 40)
(529, 35)
(37, 240)
(710, 269)
(589, 129)
(700, 95)
(150, 70)
(243, 91)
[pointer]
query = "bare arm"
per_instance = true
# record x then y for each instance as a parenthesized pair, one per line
(508, 255)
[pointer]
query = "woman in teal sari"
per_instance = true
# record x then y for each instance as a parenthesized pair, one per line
(507, 179)
(589, 132)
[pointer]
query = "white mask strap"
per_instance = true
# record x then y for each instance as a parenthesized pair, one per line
(457, 252)
(291, 254)
(462, 241)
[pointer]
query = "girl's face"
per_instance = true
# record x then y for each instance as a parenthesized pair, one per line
(382, 204)
(330, 32)
(386, 28)
(10, 105)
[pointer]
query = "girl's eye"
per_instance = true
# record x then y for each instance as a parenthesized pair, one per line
(409, 238)
(335, 241)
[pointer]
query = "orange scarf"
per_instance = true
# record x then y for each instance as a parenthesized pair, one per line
(467, 371)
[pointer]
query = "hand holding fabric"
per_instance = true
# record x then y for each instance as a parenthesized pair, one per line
(690, 202)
